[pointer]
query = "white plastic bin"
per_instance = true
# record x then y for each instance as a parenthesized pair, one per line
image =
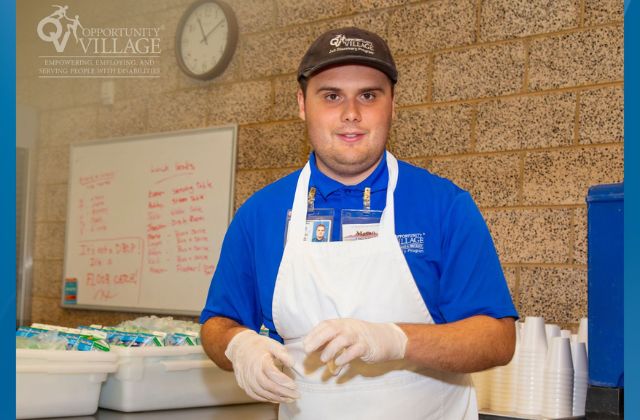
(259, 411)
(157, 378)
(56, 383)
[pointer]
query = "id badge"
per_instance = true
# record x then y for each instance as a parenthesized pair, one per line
(360, 224)
(318, 227)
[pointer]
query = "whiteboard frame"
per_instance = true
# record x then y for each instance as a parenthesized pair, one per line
(113, 140)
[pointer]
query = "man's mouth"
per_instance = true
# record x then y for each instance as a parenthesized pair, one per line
(351, 136)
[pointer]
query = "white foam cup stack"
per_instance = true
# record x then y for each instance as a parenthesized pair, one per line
(530, 367)
(558, 380)
(583, 332)
(534, 338)
(503, 385)
(482, 383)
(580, 377)
(501, 395)
(551, 330)
(565, 333)
(559, 356)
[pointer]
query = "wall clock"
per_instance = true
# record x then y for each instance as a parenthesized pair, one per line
(206, 39)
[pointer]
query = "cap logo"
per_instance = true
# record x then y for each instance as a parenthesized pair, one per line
(342, 43)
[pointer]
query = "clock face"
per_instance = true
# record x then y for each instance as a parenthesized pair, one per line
(206, 39)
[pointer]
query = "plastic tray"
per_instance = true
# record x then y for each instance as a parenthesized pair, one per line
(157, 378)
(56, 383)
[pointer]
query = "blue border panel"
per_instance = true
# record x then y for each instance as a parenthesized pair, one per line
(7, 214)
(631, 210)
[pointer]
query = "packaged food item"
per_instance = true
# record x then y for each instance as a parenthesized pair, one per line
(34, 338)
(140, 332)
(178, 332)
(48, 337)
(182, 339)
(29, 332)
(77, 338)
(134, 339)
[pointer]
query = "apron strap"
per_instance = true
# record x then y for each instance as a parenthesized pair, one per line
(387, 221)
(298, 221)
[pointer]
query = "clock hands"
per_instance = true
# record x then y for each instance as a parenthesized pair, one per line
(212, 29)
(204, 37)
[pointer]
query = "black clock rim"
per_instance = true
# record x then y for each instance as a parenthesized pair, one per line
(229, 50)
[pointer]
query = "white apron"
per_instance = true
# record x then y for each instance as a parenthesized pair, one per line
(367, 280)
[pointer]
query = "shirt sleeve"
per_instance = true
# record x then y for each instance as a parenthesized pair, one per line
(232, 293)
(472, 280)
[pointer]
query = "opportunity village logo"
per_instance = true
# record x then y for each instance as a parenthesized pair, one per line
(103, 52)
(55, 26)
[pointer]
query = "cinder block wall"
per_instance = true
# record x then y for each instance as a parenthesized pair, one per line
(518, 101)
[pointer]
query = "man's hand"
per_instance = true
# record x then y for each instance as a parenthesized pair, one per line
(255, 359)
(349, 339)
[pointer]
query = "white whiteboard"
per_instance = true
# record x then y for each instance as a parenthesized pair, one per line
(146, 218)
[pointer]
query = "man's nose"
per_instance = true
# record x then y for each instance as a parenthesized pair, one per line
(351, 111)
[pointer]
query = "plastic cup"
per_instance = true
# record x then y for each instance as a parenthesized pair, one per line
(483, 387)
(558, 399)
(579, 358)
(580, 377)
(529, 386)
(502, 396)
(565, 333)
(558, 380)
(531, 356)
(559, 356)
(531, 361)
(551, 330)
(579, 403)
(583, 332)
(534, 337)
(561, 389)
(556, 412)
(560, 403)
(558, 387)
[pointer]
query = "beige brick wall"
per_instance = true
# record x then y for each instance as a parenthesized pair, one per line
(518, 101)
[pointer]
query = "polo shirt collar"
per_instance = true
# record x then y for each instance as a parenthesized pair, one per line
(325, 185)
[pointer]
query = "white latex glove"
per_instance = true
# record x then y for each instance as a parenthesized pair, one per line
(349, 339)
(255, 360)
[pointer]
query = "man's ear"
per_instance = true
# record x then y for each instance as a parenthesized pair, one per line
(301, 111)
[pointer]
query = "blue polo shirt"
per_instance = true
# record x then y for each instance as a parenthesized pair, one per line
(442, 234)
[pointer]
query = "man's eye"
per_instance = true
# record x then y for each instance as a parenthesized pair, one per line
(331, 97)
(369, 96)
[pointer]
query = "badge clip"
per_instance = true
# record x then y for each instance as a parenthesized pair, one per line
(311, 199)
(366, 199)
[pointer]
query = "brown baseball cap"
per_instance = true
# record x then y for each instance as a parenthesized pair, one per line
(348, 46)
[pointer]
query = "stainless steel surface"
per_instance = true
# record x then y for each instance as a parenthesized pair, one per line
(499, 415)
(257, 411)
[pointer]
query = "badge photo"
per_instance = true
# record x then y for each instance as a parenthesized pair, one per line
(318, 227)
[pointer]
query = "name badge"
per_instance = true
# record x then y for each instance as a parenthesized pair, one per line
(318, 227)
(360, 224)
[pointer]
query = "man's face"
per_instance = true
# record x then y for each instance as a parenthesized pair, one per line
(320, 232)
(348, 111)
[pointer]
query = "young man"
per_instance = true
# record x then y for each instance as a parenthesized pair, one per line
(386, 327)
